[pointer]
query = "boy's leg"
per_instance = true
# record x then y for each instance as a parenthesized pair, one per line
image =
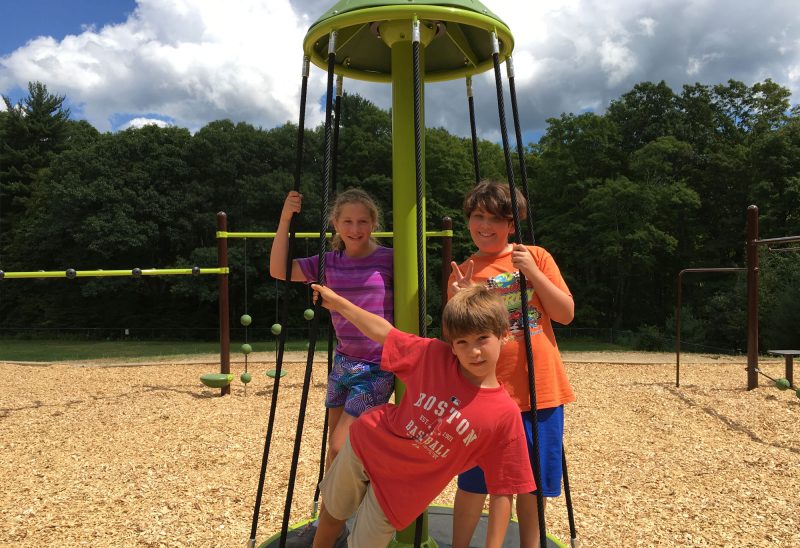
(468, 505)
(328, 530)
(371, 528)
(528, 517)
(467, 510)
(550, 429)
(343, 489)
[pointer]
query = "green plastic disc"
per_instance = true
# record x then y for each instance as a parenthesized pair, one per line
(216, 380)
(271, 373)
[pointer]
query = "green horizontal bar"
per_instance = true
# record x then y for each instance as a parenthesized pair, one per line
(110, 273)
(222, 234)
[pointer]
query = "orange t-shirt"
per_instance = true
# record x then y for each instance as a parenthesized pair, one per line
(552, 386)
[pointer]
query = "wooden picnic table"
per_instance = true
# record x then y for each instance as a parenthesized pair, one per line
(789, 356)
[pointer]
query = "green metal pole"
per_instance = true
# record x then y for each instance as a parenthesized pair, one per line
(406, 308)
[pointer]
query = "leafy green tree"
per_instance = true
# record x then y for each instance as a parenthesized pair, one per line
(645, 113)
(33, 132)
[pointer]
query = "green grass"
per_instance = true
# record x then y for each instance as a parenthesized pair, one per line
(583, 345)
(61, 350)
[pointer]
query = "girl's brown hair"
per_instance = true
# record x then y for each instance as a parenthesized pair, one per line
(495, 198)
(353, 196)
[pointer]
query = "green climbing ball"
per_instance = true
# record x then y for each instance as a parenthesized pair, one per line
(309, 314)
(246, 377)
(783, 384)
(246, 320)
(246, 349)
(428, 319)
(276, 329)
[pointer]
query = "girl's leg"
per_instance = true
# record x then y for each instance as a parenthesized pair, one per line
(334, 416)
(338, 435)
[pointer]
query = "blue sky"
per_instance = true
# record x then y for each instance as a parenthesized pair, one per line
(22, 21)
(128, 62)
(26, 19)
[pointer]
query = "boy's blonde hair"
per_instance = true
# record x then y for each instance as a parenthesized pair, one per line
(495, 198)
(474, 310)
(353, 196)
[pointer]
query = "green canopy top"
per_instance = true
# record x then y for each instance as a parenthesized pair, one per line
(460, 43)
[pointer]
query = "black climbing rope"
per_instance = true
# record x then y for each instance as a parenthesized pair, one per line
(523, 289)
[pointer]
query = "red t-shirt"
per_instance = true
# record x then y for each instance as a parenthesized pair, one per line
(500, 276)
(443, 426)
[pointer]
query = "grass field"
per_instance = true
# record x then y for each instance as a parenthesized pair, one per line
(61, 350)
(64, 350)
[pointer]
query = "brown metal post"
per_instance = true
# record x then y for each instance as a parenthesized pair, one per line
(678, 332)
(447, 256)
(224, 312)
(752, 297)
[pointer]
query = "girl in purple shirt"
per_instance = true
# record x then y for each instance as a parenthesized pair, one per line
(360, 270)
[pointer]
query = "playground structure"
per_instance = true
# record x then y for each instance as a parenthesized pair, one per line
(752, 245)
(405, 44)
(223, 379)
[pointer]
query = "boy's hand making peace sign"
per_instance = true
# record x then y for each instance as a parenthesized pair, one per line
(462, 279)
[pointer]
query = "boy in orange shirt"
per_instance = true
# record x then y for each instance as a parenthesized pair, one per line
(496, 265)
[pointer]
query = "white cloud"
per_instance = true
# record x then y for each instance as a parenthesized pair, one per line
(139, 123)
(648, 26)
(617, 61)
(695, 65)
(193, 61)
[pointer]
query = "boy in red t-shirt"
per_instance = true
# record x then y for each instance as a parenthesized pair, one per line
(496, 265)
(454, 415)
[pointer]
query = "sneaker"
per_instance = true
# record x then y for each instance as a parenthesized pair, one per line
(304, 537)
(341, 540)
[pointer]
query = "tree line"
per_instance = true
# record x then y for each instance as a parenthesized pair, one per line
(624, 200)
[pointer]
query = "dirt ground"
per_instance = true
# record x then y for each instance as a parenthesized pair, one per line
(99, 454)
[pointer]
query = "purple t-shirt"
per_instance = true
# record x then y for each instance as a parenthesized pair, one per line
(364, 281)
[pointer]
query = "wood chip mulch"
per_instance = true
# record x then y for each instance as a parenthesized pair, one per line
(144, 455)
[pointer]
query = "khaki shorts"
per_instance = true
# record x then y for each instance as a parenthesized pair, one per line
(346, 490)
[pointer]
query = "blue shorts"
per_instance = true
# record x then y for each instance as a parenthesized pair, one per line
(357, 385)
(551, 433)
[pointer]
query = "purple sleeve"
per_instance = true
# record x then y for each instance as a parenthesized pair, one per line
(309, 267)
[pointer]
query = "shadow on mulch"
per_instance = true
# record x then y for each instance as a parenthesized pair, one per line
(729, 423)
